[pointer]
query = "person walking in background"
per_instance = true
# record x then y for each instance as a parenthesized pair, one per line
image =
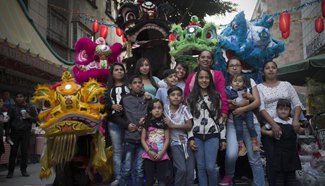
(271, 90)
(155, 141)
(4, 118)
(179, 120)
(117, 88)
(18, 132)
(234, 68)
(205, 105)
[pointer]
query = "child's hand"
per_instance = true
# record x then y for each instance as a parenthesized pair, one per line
(248, 96)
(147, 95)
(193, 145)
(152, 154)
(132, 127)
(168, 122)
(158, 156)
(223, 146)
(141, 121)
(117, 107)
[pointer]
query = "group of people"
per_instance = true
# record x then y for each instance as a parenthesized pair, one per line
(168, 129)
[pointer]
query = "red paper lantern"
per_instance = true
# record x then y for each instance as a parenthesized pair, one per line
(319, 25)
(171, 37)
(284, 22)
(95, 26)
(103, 31)
(124, 39)
(285, 35)
(323, 8)
(119, 32)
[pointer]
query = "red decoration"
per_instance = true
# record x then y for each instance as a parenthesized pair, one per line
(285, 35)
(95, 26)
(319, 25)
(323, 8)
(284, 22)
(171, 37)
(118, 31)
(124, 39)
(103, 31)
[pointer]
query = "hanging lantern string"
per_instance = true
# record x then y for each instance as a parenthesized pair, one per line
(101, 21)
(291, 10)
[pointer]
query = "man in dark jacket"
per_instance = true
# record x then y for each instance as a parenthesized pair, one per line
(134, 106)
(18, 132)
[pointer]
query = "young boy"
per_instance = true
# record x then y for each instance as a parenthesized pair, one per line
(170, 77)
(134, 106)
(179, 120)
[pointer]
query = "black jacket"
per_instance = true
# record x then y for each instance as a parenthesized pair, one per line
(17, 123)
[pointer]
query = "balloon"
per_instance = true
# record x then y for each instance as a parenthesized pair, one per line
(103, 31)
(95, 26)
(124, 39)
(285, 35)
(171, 37)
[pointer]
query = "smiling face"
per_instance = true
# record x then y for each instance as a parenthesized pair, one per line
(157, 110)
(270, 70)
(205, 60)
(171, 80)
(180, 72)
(203, 79)
(145, 68)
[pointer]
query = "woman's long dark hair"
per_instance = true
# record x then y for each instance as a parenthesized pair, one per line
(111, 81)
(137, 71)
(195, 96)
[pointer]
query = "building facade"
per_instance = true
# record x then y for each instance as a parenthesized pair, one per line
(294, 43)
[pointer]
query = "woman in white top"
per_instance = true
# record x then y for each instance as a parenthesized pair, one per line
(271, 90)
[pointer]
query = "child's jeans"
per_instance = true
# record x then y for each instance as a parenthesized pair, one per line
(238, 121)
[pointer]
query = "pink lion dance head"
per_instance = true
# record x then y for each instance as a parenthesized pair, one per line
(94, 58)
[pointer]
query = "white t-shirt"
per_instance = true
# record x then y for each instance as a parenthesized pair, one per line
(270, 96)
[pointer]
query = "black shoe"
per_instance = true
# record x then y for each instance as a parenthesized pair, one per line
(9, 175)
(25, 174)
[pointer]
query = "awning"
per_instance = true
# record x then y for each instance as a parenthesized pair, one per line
(298, 72)
(18, 34)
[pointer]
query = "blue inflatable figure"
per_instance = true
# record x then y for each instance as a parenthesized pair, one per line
(250, 42)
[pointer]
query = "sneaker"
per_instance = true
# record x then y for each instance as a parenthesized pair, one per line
(255, 145)
(24, 173)
(115, 183)
(10, 175)
(241, 149)
(227, 180)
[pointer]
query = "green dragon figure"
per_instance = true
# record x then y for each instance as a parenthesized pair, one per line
(191, 40)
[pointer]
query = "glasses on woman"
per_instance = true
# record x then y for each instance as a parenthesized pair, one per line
(232, 66)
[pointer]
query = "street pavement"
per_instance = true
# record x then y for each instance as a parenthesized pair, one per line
(19, 180)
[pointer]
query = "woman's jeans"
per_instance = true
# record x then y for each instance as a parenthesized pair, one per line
(206, 161)
(253, 157)
(115, 133)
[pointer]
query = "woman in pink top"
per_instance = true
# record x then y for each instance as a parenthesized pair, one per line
(205, 61)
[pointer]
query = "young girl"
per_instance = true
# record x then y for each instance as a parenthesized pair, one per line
(155, 140)
(286, 160)
(143, 69)
(235, 95)
(205, 105)
(179, 120)
(116, 89)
